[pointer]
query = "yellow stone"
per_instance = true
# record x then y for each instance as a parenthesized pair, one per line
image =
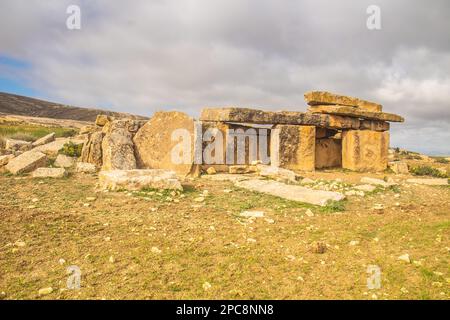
(323, 97)
(365, 150)
(328, 153)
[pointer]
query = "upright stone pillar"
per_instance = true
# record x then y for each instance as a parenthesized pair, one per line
(293, 147)
(365, 150)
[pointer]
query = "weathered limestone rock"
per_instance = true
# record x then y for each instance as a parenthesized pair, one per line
(118, 147)
(429, 182)
(44, 140)
(366, 187)
(102, 119)
(399, 167)
(376, 182)
(54, 147)
(365, 150)
(92, 149)
(241, 169)
(245, 115)
(293, 147)
(291, 192)
(26, 162)
(355, 112)
(17, 145)
(325, 98)
(87, 129)
(374, 125)
(277, 173)
(5, 159)
(155, 147)
(139, 179)
(63, 161)
(328, 153)
(49, 173)
(85, 167)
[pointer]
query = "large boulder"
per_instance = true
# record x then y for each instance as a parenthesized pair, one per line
(17, 145)
(63, 161)
(92, 149)
(44, 140)
(139, 179)
(49, 173)
(102, 119)
(156, 148)
(117, 145)
(26, 162)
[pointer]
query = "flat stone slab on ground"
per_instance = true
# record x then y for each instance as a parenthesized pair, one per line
(377, 182)
(277, 173)
(365, 187)
(26, 162)
(17, 145)
(44, 140)
(429, 182)
(49, 173)
(227, 177)
(291, 192)
(85, 167)
(139, 179)
(5, 159)
(54, 147)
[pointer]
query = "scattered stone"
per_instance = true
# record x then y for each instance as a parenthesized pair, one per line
(429, 182)
(309, 213)
(61, 261)
(49, 173)
(64, 161)
(252, 214)
(239, 169)
(85, 167)
(377, 182)
(5, 159)
(156, 250)
(227, 190)
(277, 173)
(54, 147)
(199, 199)
(211, 170)
(268, 220)
(139, 179)
(405, 258)
(378, 208)
(353, 243)
(44, 140)
(26, 162)
(206, 286)
(399, 167)
(17, 145)
(251, 240)
(91, 199)
(111, 259)
(45, 291)
(291, 192)
(102, 120)
(365, 187)
(20, 243)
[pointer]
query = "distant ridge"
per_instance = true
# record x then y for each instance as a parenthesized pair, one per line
(26, 106)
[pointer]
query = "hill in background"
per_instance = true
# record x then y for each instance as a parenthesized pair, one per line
(25, 106)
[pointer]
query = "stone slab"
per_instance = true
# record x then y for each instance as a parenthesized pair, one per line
(44, 140)
(429, 182)
(355, 112)
(324, 97)
(139, 179)
(49, 173)
(27, 162)
(291, 192)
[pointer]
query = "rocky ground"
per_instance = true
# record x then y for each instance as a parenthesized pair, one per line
(200, 243)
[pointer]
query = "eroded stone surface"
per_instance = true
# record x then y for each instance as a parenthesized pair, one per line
(429, 182)
(92, 149)
(325, 98)
(44, 140)
(5, 159)
(64, 161)
(49, 173)
(139, 179)
(17, 145)
(154, 143)
(365, 150)
(27, 162)
(54, 147)
(85, 167)
(291, 192)
(399, 167)
(355, 112)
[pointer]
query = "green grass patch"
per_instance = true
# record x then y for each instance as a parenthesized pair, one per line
(32, 132)
(427, 171)
(71, 149)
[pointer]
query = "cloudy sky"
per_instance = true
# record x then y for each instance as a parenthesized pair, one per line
(141, 56)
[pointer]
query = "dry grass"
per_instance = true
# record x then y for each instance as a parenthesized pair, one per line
(209, 242)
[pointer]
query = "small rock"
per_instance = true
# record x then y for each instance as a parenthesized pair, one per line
(269, 220)
(252, 214)
(107, 238)
(199, 199)
(61, 261)
(156, 250)
(251, 240)
(91, 198)
(405, 258)
(309, 213)
(20, 243)
(206, 286)
(319, 247)
(86, 204)
(45, 291)
(227, 190)
(211, 170)
(307, 181)
(353, 243)
(111, 259)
